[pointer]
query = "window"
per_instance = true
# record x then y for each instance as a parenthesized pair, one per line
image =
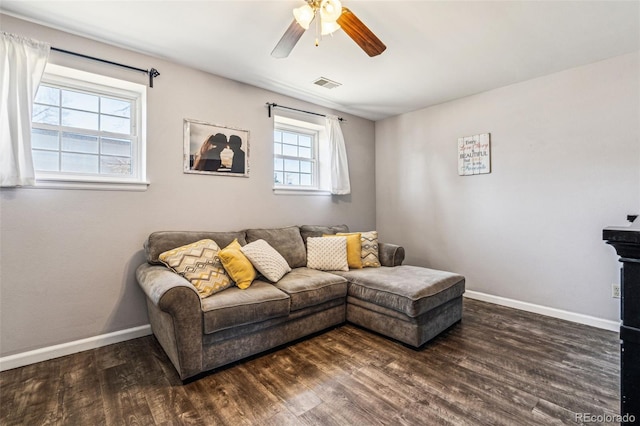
(88, 131)
(295, 157)
(299, 156)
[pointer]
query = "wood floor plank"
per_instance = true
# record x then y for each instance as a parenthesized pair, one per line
(277, 373)
(169, 403)
(499, 366)
(32, 394)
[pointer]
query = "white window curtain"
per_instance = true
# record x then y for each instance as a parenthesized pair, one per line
(22, 63)
(339, 165)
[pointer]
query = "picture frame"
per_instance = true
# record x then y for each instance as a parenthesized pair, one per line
(474, 155)
(211, 149)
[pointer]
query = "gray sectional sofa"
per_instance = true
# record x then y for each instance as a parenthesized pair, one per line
(407, 303)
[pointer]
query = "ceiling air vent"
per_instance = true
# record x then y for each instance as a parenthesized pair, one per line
(326, 83)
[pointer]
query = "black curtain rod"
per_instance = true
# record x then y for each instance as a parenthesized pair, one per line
(152, 72)
(271, 105)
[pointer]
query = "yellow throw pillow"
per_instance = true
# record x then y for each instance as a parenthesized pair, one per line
(354, 249)
(370, 256)
(237, 265)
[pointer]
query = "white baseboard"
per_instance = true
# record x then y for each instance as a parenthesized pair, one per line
(51, 352)
(544, 310)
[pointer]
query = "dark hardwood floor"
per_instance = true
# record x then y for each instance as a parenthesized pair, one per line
(499, 366)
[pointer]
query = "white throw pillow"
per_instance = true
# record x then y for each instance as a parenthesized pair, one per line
(327, 253)
(266, 259)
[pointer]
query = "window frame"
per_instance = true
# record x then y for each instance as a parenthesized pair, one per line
(318, 134)
(315, 137)
(95, 84)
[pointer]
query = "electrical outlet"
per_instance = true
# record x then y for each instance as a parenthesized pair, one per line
(615, 291)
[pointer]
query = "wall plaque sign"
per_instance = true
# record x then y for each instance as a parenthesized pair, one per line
(474, 155)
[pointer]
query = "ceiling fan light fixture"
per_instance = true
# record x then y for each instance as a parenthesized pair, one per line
(329, 27)
(332, 16)
(330, 10)
(304, 15)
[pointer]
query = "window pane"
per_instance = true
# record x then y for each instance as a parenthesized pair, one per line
(120, 147)
(305, 166)
(46, 114)
(115, 107)
(44, 139)
(277, 136)
(305, 180)
(290, 150)
(79, 143)
(115, 124)
(305, 152)
(77, 100)
(84, 134)
(278, 178)
(80, 119)
(292, 179)
(45, 161)
(291, 165)
(277, 148)
(80, 163)
(290, 138)
(305, 140)
(278, 164)
(48, 95)
(115, 165)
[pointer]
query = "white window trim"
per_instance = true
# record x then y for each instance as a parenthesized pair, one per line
(81, 80)
(321, 187)
(298, 191)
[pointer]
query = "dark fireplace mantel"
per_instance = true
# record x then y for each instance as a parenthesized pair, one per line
(626, 242)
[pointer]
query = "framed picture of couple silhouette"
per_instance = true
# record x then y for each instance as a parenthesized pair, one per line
(215, 150)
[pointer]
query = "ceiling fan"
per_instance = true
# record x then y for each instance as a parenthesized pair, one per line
(329, 16)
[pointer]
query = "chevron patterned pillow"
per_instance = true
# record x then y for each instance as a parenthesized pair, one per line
(327, 253)
(266, 259)
(199, 264)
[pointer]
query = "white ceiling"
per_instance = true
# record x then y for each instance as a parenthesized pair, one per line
(436, 50)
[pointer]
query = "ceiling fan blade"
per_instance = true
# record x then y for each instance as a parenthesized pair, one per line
(288, 40)
(360, 33)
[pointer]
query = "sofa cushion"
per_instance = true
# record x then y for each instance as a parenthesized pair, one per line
(199, 264)
(327, 253)
(406, 289)
(309, 287)
(234, 307)
(239, 268)
(159, 242)
(319, 230)
(286, 241)
(266, 260)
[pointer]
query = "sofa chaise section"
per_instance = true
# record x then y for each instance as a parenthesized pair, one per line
(408, 303)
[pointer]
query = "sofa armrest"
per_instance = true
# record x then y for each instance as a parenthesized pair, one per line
(390, 254)
(175, 314)
(156, 281)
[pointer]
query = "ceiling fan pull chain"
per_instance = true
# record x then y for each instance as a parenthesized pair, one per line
(318, 27)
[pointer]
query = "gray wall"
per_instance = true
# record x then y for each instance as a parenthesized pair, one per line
(68, 257)
(566, 163)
